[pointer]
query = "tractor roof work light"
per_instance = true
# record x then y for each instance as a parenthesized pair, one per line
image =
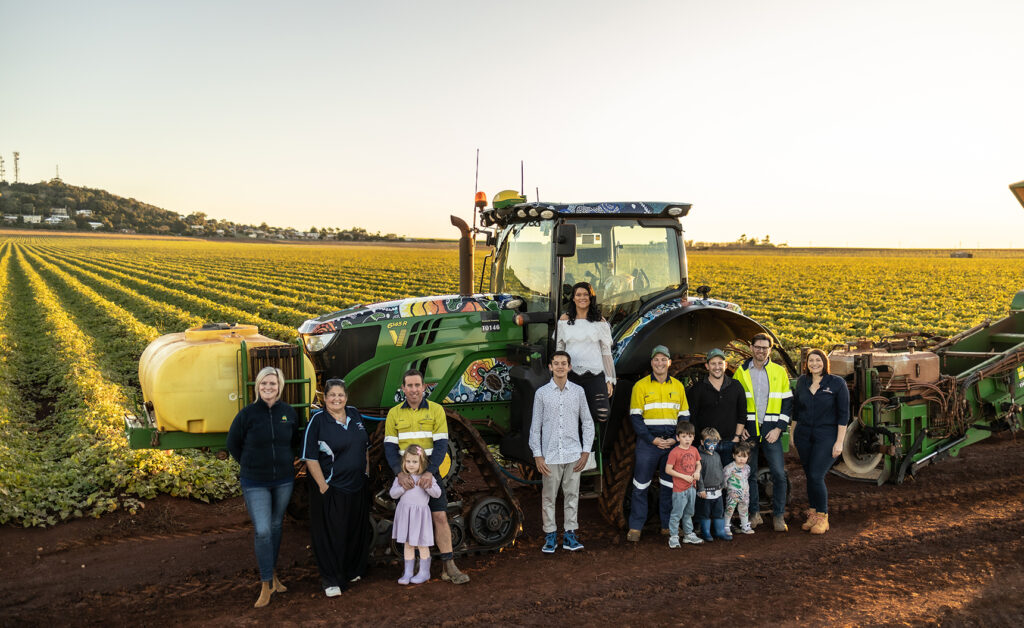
(1018, 191)
(547, 214)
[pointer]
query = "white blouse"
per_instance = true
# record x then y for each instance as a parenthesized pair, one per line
(589, 345)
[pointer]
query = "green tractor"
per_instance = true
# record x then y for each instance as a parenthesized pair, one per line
(484, 352)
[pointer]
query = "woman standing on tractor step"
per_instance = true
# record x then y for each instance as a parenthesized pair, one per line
(821, 407)
(261, 438)
(587, 337)
(336, 452)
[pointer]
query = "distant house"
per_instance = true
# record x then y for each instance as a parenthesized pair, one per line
(11, 217)
(311, 235)
(219, 232)
(84, 212)
(31, 219)
(198, 228)
(95, 225)
(56, 220)
(59, 211)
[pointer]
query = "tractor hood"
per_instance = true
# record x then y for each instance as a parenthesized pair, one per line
(404, 308)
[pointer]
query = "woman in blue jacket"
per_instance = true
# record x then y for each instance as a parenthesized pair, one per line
(261, 439)
(821, 408)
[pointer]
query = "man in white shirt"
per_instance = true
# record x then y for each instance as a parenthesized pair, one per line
(559, 412)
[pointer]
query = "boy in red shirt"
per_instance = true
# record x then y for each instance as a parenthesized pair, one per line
(684, 467)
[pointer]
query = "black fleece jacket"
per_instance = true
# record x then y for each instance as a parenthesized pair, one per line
(262, 439)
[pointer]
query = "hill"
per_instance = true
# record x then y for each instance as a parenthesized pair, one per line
(55, 205)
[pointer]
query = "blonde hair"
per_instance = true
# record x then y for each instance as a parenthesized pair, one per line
(421, 455)
(710, 432)
(266, 372)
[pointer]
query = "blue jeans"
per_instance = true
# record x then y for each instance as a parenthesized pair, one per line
(777, 467)
(266, 506)
(650, 459)
(682, 508)
(814, 444)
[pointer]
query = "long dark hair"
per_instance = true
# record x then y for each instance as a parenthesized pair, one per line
(593, 314)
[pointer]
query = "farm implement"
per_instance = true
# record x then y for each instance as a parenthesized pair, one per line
(484, 354)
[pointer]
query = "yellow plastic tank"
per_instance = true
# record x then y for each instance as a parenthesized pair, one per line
(193, 378)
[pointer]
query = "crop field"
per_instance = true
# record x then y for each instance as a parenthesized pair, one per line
(78, 312)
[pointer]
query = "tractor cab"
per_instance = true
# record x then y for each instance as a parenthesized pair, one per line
(631, 253)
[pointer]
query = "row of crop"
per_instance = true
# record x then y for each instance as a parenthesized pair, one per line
(374, 272)
(226, 299)
(19, 448)
(326, 288)
(245, 289)
(820, 301)
(154, 312)
(191, 301)
(84, 466)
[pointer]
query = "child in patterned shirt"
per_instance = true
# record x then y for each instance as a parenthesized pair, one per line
(737, 490)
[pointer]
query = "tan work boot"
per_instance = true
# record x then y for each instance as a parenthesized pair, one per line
(821, 525)
(265, 592)
(451, 573)
(812, 516)
(756, 520)
(633, 536)
(779, 524)
(276, 586)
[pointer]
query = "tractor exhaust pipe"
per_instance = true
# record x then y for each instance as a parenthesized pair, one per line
(466, 254)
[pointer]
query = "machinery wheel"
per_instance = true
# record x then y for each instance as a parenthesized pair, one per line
(491, 521)
(458, 526)
(765, 489)
(860, 451)
(455, 454)
(618, 477)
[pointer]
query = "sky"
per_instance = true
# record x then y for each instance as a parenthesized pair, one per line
(816, 122)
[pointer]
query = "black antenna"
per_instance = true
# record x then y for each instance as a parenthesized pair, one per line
(537, 198)
(522, 187)
(476, 188)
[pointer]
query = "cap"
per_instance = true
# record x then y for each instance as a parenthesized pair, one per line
(714, 353)
(662, 349)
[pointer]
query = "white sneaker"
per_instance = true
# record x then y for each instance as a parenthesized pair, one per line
(332, 591)
(747, 530)
(692, 539)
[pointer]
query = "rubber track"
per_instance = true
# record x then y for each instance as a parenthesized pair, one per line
(476, 448)
(618, 476)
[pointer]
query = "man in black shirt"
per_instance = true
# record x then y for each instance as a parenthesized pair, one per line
(720, 402)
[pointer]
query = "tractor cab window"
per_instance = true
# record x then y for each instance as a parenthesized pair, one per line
(523, 263)
(625, 262)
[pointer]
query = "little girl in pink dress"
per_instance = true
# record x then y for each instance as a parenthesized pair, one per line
(413, 525)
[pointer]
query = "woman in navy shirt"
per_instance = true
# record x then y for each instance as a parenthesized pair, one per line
(822, 409)
(336, 455)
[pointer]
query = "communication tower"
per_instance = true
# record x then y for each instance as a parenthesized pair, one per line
(16, 155)
(3, 172)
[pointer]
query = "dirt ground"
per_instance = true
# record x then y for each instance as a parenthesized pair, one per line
(944, 549)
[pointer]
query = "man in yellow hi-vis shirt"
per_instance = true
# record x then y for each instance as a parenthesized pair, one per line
(656, 405)
(417, 421)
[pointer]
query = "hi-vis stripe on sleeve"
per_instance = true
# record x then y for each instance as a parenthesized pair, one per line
(391, 439)
(780, 395)
(684, 413)
(636, 410)
(441, 436)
